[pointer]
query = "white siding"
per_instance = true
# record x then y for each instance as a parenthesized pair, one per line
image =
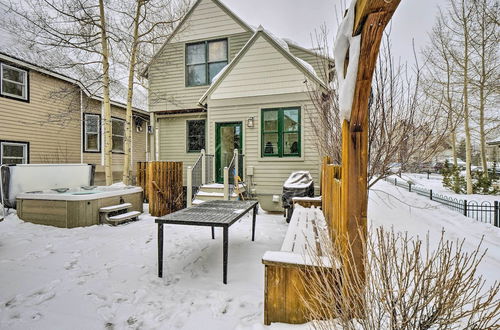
(207, 21)
(172, 140)
(263, 70)
(269, 173)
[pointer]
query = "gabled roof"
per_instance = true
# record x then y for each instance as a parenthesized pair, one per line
(184, 20)
(279, 45)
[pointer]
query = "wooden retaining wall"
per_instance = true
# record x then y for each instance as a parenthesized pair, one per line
(162, 184)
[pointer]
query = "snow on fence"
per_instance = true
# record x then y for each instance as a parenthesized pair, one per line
(481, 211)
(163, 183)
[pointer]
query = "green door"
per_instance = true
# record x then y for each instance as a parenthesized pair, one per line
(228, 136)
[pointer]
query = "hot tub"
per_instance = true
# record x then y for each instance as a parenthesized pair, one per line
(76, 207)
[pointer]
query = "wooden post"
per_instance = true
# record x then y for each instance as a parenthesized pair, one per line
(226, 184)
(236, 162)
(203, 167)
(371, 19)
(189, 187)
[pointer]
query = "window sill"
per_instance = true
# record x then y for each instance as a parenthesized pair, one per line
(92, 151)
(26, 100)
(281, 159)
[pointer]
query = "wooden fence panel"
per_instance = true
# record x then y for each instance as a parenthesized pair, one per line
(331, 197)
(162, 185)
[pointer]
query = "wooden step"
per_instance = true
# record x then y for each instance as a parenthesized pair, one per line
(121, 218)
(217, 187)
(209, 196)
(114, 208)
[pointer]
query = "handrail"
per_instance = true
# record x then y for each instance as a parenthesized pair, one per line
(233, 169)
(195, 177)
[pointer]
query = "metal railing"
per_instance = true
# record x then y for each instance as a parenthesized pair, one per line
(200, 173)
(488, 212)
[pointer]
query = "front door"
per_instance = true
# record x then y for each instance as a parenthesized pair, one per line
(228, 136)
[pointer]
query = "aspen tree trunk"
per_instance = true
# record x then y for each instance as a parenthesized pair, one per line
(468, 147)
(454, 147)
(130, 94)
(482, 86)
(108, 137)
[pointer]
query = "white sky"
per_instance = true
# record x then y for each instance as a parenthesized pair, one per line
(298, 19)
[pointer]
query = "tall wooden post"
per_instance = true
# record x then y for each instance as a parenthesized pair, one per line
(371, 19)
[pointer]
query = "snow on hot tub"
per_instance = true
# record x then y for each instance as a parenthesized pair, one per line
(76, 207)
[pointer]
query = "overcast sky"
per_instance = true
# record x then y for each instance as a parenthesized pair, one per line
(298, 19)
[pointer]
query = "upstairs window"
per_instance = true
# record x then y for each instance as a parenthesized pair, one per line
(13, 152)
(204, 60)
(195, 135)
(14, 82)
(92, 133)
(281, 132)
(118, 131)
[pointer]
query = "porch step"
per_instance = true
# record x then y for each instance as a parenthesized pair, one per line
(121, 218)
(114, 208)
(210, 196)
(217, 187)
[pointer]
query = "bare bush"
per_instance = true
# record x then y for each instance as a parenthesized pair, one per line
(409, 285)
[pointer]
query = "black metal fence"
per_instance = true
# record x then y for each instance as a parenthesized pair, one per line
(486, 211)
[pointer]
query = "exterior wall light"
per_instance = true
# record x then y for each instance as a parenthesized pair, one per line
(250, 122)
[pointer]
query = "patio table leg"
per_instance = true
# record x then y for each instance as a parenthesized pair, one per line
(213, 233)
(253, 221)
(160, 250)
(224, 255)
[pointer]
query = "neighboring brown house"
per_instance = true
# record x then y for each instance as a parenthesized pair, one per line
(47, 117)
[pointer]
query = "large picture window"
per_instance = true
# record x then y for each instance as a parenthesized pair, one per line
(118, 131)
(195, 135)
(92, 133)
(13, 152)
(281, 132)
(204, 60)
(13, 82)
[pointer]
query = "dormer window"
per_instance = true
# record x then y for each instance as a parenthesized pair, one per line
(204, 60)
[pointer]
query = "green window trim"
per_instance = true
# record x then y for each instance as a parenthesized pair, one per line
(206, 63)
(267, 149)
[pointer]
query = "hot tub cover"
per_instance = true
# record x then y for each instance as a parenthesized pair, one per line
(21, 178)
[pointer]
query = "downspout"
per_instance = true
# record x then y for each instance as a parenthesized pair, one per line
(102, 134)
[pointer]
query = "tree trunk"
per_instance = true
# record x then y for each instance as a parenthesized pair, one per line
(454, 147)
(128, 121)
(108, 135)
(468, 147)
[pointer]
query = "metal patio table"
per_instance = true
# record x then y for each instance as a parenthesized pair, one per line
(216, 213)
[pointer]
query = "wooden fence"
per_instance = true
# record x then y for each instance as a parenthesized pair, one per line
(331, 196)
(162, 183)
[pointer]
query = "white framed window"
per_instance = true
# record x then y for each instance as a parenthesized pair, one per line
(92, 133)
(118, 132)
(13, 82)
(13, 152)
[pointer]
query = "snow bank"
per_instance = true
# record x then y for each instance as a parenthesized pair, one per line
(344, 43)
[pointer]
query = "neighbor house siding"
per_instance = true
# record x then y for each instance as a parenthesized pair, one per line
(269, 172)
(138, 142)
(207, 21)
(49, 122)
(167, 85)
(172, 140)
(261, 71)
(320, 64)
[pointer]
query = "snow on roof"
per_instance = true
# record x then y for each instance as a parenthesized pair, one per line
(57, 62)
(494, 141)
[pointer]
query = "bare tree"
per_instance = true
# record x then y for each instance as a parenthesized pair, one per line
(408, 285)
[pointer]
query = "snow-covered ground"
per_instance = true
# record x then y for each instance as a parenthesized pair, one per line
(435, 182)
(105, 277)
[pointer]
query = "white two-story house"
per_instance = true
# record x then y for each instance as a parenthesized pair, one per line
(219, 84)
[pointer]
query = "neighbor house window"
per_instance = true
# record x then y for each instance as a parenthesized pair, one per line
(195, 135)
(118, 129)
(92, 133)
(13, 152)
(14, 82)
(204, 60)
(281, 132)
